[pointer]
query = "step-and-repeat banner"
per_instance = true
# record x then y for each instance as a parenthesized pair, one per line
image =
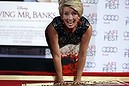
(23, 24)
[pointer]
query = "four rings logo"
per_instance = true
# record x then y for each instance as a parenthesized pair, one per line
(111, 17)
(90, 65)
(109, 49)
(90, 1)
(125, 66)
(126, 34)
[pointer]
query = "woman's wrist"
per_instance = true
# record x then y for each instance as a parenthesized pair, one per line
(59, 78)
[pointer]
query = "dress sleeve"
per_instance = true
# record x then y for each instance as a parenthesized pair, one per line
(56, 22)
(85, 21)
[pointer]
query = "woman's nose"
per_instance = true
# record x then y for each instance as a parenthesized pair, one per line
(70, 17)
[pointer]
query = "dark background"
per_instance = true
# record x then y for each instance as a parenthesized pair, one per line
(25, 63)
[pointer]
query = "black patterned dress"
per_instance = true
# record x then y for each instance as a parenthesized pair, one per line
(69, 43)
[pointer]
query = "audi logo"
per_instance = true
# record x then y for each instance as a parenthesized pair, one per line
(109, 49)
(91, 1)
(111, 17)
(126, 34)
(126, 2)
(125, 66)
(90, 64)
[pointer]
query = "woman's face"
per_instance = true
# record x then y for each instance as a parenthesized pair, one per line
(70, 17)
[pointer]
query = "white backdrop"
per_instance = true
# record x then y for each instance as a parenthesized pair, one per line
(23, 23)
(109, 49)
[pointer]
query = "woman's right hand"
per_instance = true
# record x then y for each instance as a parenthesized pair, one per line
(59, 83)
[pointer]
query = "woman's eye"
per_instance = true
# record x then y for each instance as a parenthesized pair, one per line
(74, 13)
(65, 13)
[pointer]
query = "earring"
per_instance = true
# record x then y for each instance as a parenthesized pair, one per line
(79, 22)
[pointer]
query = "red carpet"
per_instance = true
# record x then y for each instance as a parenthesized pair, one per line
(20, 82)
(10, 83)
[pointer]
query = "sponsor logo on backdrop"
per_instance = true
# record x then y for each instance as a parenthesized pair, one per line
(90, 65)
(90, 1)
(108, 49)
(126, 53)
(127, 21)
(126, 35)
(4, 50)
(112, 4)
(108, 18)
(91, 51)
(111, 17)
(125, 66)
(92, 17)
(112, 35)
(48, 53)
(127, 4)
(94, 32)
(110, 67)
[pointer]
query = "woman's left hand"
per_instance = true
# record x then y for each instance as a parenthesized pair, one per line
(77, 82)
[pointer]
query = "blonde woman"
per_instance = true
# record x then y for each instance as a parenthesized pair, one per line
(68, 37)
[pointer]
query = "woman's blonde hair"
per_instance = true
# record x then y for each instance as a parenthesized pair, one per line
(74, 4)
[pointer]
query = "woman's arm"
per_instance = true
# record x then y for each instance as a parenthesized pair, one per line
(82, 53)
(53, 43)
